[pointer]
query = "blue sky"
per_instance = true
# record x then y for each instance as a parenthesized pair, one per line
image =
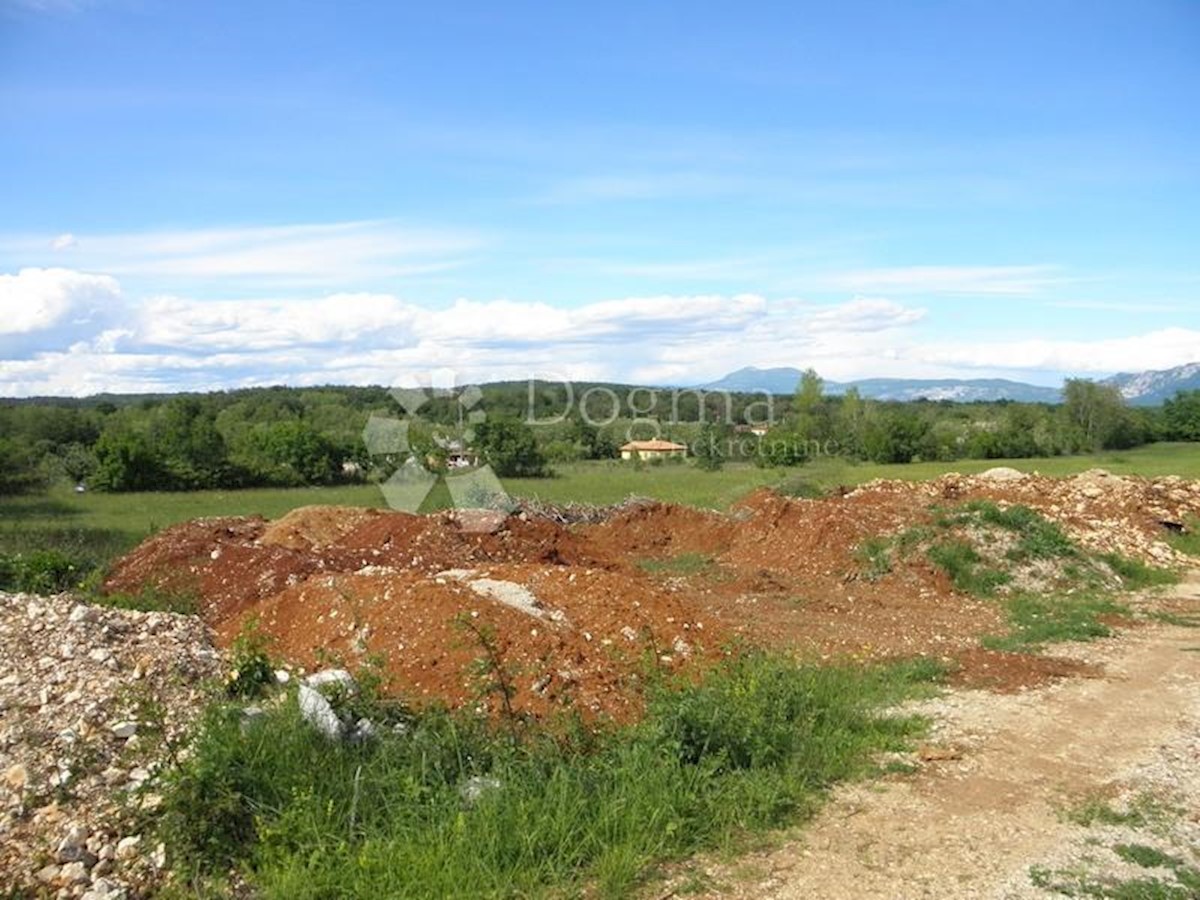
(217, 194)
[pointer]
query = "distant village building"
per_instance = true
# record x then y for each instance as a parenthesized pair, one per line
(455, 455)
(656, 449)
(757, 430)
(461, 459)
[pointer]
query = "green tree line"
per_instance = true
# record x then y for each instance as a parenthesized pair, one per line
(311, 436)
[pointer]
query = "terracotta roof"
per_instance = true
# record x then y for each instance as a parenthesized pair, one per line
(654, 445)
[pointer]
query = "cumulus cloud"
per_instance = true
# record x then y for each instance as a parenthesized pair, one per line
(201, 327)
(170, 342)
(865, 314)
(36, 300)
(70, 332)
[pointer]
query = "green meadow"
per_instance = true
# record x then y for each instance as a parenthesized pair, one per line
(113, 522)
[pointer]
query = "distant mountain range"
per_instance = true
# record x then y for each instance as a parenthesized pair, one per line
(1140, 389)
(1149, 388)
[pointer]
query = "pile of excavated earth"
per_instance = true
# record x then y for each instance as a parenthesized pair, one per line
(574, 602)
(575, 605)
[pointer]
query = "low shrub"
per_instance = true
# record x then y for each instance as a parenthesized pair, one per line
(41, 572)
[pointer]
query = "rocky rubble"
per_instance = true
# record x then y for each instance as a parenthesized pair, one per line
(91, 699)
(1105, 513)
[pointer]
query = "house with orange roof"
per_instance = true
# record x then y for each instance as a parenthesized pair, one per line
(655, 449)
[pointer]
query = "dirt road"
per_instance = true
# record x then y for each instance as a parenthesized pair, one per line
(974, 824)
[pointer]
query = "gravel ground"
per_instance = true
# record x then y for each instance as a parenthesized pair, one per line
(91, 700)
(996, 808)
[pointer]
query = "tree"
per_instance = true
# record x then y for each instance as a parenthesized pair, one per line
(812, 420)
(76, 462)
(594, 443)
(125, 461)
(18, 469)
(1093, 412)
(894, 436)
(848, 423)
(510, 448)
(298, 454)
(1182, 416)
(808, 393)
(780, 447)
(191, 449)
(710, 446)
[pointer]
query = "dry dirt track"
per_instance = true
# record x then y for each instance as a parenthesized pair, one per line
(972, 826)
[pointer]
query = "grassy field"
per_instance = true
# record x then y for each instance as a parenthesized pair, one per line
(1149, 461)
(611, 482)
(109, 523)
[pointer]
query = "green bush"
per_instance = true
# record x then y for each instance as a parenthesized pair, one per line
(41, 572)
(252, 670)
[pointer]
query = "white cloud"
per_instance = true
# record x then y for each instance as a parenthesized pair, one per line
(258, 325)
(865, 314)
(329, 253)
(1160, 349)
(73, 333)
(37, 300)
(1000, 280)
(170, 342)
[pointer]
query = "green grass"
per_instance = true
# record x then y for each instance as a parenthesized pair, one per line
(1186, 887)
(149, 599)
(1136, 575)
(753, 746)
(683, 564)
(1183, 882)
(875, 556)
(1073, 597)
(1144, 811)
(1181, 459)
(95, 528)
(1187, 541)
(1146, 856)
(612, 482)
(1175, 878)
(966, 568)
(1035, 620)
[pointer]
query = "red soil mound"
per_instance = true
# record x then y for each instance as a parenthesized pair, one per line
(220, 561)
(816, 538)
(310, 527)
(661, 529)
(584, 658)
(576, 616)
